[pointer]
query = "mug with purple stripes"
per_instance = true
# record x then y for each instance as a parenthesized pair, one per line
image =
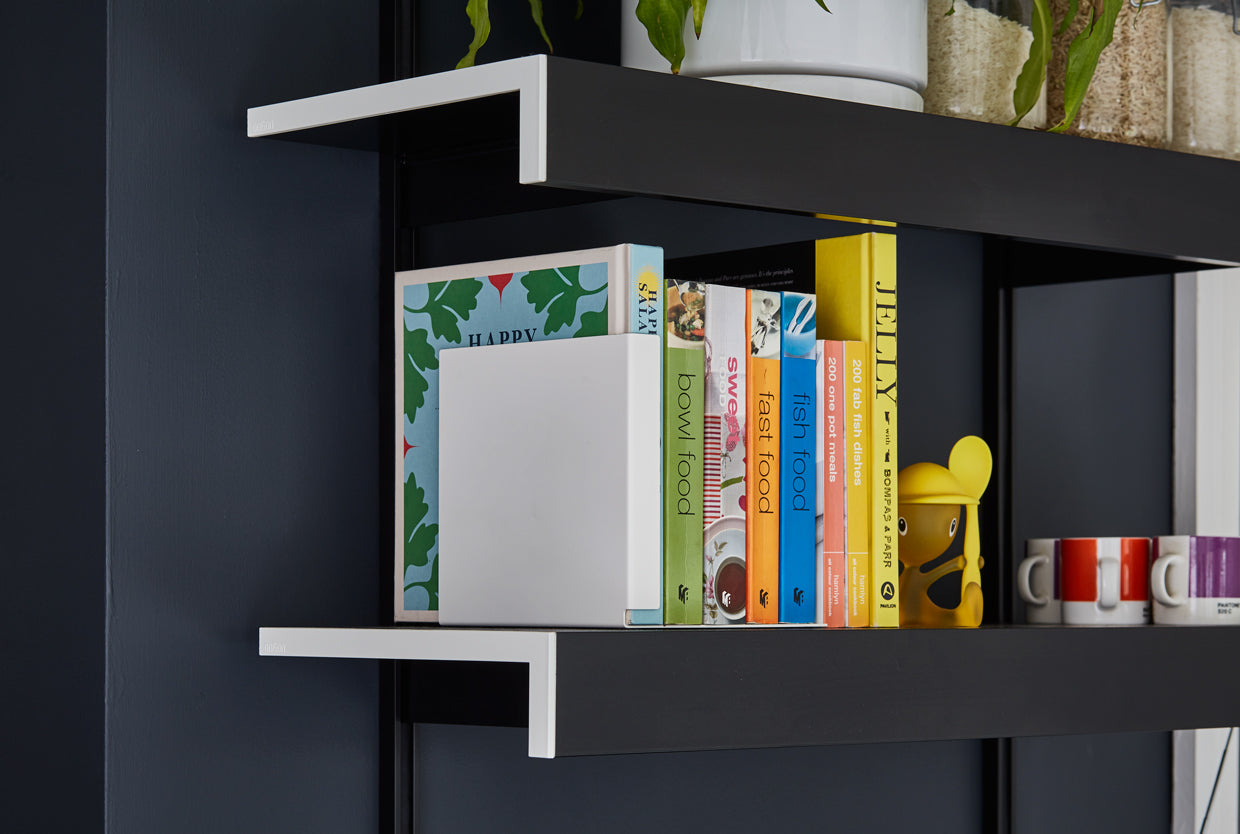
(1195, 580)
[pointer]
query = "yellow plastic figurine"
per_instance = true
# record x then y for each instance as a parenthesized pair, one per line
(931, 499)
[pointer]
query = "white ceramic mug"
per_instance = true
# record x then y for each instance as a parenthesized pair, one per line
(1037, 581)
(1196, 580)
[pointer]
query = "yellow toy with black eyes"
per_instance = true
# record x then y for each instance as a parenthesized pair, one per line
(931, 502)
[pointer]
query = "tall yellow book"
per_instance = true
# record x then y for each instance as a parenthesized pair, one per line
(856, 284)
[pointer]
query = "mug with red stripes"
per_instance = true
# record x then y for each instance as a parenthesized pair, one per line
(1105, 581)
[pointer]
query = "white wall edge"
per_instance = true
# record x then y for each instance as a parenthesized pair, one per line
(1184, 782)
(526, 76)
(535, 648)
(1184, 407)
(1206, 419)
(1218, 403)
(1206, 501)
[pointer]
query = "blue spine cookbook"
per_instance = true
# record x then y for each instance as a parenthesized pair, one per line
(798, 453)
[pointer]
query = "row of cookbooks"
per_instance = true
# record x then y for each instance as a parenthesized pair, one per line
(779, 416)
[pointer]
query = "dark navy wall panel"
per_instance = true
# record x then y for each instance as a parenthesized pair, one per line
(479, 779)
(941, 344)
(1091, 456)
(243, 389)
(51, 414)
(1082, 784)
(1091, 422)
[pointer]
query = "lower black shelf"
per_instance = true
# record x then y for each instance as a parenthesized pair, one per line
(705, 689)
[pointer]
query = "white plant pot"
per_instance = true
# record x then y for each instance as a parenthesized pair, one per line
(870, 51)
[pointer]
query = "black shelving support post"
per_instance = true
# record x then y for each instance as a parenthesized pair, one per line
(398, 740)
(997, 505)
(997, 797)
(996, 508)
(396, 731)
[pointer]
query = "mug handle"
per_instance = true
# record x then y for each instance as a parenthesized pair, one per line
(1158, 579)
(1022, 579)
(1108, 592)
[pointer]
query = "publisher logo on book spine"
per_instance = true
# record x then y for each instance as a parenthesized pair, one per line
(683, 594)
(763, 596)
(798, 596)
(887, 590)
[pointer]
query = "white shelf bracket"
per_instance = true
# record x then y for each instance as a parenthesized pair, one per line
(535, 648)
(525, 76)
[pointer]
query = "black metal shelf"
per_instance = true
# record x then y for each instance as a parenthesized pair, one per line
(657, 690)
(611, 130)
(684, 690)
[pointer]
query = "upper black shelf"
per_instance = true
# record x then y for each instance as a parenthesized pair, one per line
(601, 128)
(650, 690)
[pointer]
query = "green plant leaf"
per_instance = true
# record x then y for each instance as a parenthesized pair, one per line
(699, 12)
(419, 357)
(593, 323)
(536, 11)
(824, 6)
(449, 303)
(557, 292)
(581, 7)
(951, 10)
(480, 19)
(1100, 8)
(665, 24)
(1083, 57)
(1033, 73)
(1074, 8)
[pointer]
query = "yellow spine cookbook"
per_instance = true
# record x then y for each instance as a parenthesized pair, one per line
(856, 284)
(857, 482)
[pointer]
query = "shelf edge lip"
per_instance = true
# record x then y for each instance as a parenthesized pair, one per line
(480, 645)
(537, 649)
(526, 76)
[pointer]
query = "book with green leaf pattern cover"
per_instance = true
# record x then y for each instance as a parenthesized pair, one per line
(573, 294)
